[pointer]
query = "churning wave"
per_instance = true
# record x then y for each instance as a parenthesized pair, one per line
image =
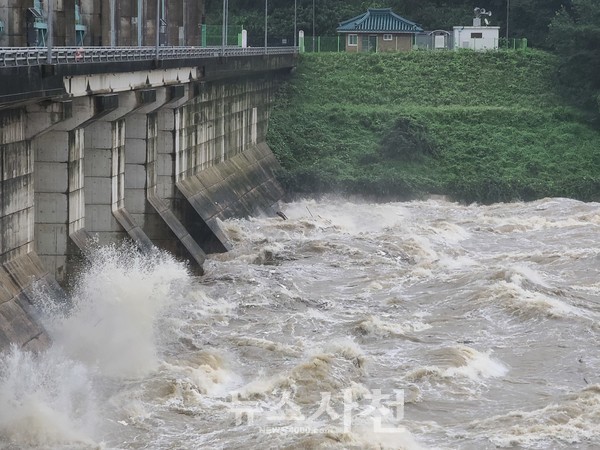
(52, 400)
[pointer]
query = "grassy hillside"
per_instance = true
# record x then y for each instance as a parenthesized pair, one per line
(477, 126)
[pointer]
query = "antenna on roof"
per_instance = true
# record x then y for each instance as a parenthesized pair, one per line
(478, 13)
(481, 12)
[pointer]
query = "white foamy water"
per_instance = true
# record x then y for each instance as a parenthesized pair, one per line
(350, 325)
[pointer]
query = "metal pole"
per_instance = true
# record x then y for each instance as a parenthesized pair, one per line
(223, 30)
(184, 7)
(266, 9)
(313, 39)
(163, 16)
(140, 19)
(295, 22)
(157, 27)
(50, 39)
(507, 16)
(113, 36)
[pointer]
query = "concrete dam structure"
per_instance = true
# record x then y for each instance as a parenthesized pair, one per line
(100, 147)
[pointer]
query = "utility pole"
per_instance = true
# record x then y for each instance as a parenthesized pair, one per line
(507, 16)
(266, 9)
(157, 27)
(224, 30)
(113, 35)
(313, 39)
(184, 9)
(140, 20)
(295, 22)
(50, 37)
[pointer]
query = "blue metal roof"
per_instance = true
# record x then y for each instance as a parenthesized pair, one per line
(379, 20)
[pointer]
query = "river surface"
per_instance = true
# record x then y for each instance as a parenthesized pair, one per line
(350, 325)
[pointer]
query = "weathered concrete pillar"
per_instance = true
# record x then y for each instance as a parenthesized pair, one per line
(144, 204)
(16, 186)
(142, 155)
(136, 139)
(101, 144)
(223, 167)
(173, 147)
(224, 119)
(205, 129)
(161, 189)
(105, 212)
(52, 150)
(19, 265)
(166, 142)
(58, 197)
(76, 219)
(60, 141)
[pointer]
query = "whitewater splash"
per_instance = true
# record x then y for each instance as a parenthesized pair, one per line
(50, 400)
(46, 401)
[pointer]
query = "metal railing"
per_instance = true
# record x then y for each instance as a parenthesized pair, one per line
(33, 56)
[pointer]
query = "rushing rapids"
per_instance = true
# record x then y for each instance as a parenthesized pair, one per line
(349, 325)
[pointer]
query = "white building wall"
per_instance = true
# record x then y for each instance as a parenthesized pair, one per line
(476, 38)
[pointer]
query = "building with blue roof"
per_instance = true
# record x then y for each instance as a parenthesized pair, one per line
(379, 30)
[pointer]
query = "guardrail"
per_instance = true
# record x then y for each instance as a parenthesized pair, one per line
(33, 56)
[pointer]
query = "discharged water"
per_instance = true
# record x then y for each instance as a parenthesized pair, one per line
(349, 325)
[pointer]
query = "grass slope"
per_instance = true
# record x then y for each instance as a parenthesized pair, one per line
(480, 127)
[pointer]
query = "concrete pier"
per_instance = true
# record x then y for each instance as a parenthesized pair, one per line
(156, 156)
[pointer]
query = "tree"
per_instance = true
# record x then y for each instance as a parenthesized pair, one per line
(575, 35)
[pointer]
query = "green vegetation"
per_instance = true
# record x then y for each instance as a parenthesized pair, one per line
(484, 127)
(574, 35)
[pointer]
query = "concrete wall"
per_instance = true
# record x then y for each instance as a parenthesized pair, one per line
(400, 42)
(476, 37)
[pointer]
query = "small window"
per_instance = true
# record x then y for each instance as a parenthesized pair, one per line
(387, 37)
(353, 39)
(476, 35)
